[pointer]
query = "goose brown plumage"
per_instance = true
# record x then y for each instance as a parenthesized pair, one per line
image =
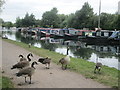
(27, 72)
(45, 61)
(23, 62)
(64, 61)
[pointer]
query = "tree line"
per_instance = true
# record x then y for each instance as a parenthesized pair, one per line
(83, 18)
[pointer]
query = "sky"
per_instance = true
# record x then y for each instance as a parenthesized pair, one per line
(15, 8)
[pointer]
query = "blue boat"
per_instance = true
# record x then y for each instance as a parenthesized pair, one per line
(115, 37)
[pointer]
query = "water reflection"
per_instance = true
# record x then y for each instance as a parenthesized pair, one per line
(84, 53)
(50, 46)
(106, 54)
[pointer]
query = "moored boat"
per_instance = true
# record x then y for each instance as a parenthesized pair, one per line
(71, 34)
(57, 33)
(114, 38)
(44, 32)
(103, 36)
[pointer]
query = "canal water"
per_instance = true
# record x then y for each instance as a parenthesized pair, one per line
(106, 54)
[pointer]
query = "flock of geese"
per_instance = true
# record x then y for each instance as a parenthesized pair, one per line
(27, 69)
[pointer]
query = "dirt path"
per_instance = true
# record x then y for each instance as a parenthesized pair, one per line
(43, 78)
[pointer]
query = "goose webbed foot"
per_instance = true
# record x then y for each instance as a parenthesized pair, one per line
(47, 68)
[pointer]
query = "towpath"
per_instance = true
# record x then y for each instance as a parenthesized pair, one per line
(54, 77)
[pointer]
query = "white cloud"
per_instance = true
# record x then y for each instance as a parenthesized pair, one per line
(15, 8)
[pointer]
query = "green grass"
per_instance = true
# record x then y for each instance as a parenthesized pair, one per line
(5, 83)
(108, 76)
(0, 82)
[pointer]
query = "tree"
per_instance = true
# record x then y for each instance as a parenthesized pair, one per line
(63, 20)
(28, 20)
(117, 22)
(84, 17)
(71, 21)
(107, 21)
(1, 22)
(54, 10)
(50, 19)
(8, 24)
(38, 23)
(18, 22)
(94, 21)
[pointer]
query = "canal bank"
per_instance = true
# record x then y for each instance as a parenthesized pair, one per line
(107, 54)
(108, 76)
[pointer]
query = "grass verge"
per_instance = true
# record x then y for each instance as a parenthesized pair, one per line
(108, 76)
(6, 83)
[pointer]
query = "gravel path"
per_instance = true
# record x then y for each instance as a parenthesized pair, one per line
(54, 77)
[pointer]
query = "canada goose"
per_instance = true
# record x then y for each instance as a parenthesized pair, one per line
(23, 62)
(20, 65)
(98, 67)
(28, 56)
(27, 71)
(64, 61)
(45, 61)
(22, 58)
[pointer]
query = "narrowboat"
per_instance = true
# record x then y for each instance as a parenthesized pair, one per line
(114, 38)
(44, 32)
(71, 33)
(32, 32)
(103, 36)
(57, 33)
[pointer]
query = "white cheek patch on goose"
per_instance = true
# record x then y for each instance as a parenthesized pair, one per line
(99, 67)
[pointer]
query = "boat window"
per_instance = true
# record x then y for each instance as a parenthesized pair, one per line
(102, 33)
